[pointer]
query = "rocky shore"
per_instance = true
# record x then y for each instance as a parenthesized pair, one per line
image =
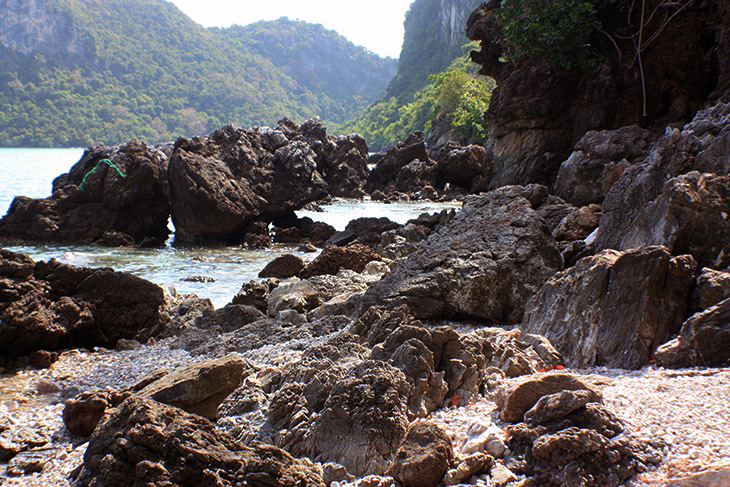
(570, 325)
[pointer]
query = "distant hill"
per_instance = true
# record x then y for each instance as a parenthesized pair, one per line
(77, 71)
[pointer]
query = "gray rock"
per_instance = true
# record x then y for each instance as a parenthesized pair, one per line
(615, 308)
(486, 262)
(519, 396)
(598, 160)
(299, 296)
(558, 405)
(143, 442)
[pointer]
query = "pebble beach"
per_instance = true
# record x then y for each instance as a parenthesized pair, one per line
(683, 413)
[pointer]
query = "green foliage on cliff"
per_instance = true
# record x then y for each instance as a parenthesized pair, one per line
(556, 30)
(76, 71)
(458, 94)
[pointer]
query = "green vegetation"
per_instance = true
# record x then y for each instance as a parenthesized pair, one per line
(556, 30)
(114, 69)
(458, 94)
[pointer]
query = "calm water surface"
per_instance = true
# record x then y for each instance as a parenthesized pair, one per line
(30, 172)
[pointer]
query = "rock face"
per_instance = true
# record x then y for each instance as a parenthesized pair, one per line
(704, 340)
(677, 195)
(712, 287)
(598, 160)
(615, 308)
(143, 442)
(49, 305)
(469, 167)
(221, 184)
(690, 216)
(111, 208)
(538, 112)
(486, 262)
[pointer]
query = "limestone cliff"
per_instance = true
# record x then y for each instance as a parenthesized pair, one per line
(539, 111)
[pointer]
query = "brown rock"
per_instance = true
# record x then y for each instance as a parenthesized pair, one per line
(143, 442)
(82, 413)
(283, 267)
(354, 257)
(712, 287)
(518, 397)
(424, 456)
(199, 388)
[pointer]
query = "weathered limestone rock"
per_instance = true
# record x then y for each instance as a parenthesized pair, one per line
(704, 340)
(199, 388)
(615, 308)
(108, 208)
(50, 305)
(424, 456)
(143, 442)
(486, 262)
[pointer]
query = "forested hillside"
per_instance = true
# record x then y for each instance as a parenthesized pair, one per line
(434, 78)
(77, 71)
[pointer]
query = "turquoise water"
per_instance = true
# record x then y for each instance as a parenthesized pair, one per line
(30, 172)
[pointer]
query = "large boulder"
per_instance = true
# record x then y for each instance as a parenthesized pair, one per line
(50, 305)
(124, 204)
(354, 257)
(598, 160)
(143, 442)
(712, 287)
(486, 262)
(613, 309)
(703, 341)
(469, 167)
(221, 184)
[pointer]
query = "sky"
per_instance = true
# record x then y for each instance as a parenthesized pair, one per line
(374, 24)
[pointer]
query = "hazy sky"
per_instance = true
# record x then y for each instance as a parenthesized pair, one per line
(375, 24)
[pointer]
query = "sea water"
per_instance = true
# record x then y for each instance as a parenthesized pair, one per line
(215, 272)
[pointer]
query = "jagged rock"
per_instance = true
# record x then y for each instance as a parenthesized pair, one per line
(519, 396)
(704, 340)
(486, 262)
(143, 442)
(469, 167)
(82, 413)
(366, 231)
(712, 287)
(299, 296)
(199, 388)
(424, 456)
(342, 161)
(578, 224)
(254, 293)
(690, 216)
(283, 267)
(615, 308)
(232, 317)
(50, 305)
(108, 209)
(416, 175)
(677, 152)
(344, 282)
(473, 464)
(222, 183)
(556, 406)
(383, 176)
(290, 229)
(598, 160)
(396, 244)
(354, 257)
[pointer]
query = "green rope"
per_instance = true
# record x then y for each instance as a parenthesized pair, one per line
(109, 163)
